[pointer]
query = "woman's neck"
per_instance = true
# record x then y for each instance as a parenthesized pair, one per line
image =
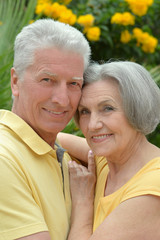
(128, 164)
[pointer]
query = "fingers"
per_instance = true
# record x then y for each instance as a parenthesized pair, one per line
(91, 162)
(75, 167)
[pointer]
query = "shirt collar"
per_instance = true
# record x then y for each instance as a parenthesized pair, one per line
(25, 132)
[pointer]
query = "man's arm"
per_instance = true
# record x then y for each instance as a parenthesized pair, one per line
(20, 215)
(37, 236)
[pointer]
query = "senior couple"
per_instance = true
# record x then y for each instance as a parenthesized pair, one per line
(117, 196)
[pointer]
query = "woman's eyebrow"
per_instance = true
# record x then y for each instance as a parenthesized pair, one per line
(106, 101)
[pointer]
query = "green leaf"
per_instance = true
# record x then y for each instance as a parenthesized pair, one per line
(14, 14)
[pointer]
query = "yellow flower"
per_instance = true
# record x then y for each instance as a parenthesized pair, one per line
(67, 17)
(141, 36)
(1, 23)
(86, 20)
(128, 19)
(145, 2)
(47, 9)
(41, 6)
(31, 21)
(116, 18)
(43, 1)
(147, 42)
(39, 9)
(125, 36)
(150, 44)
(139, 7)
(56, 10)
(44, 8)
(149, 2)
(137, 32)
(93, 33)
(125, 19)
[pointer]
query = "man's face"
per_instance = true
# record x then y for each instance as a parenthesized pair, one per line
(50, 91)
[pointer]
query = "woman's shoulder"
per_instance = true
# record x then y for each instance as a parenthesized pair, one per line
(146, 181)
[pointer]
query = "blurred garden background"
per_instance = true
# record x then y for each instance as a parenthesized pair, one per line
(115, 29)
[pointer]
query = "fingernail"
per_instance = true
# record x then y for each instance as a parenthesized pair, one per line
(90, 152)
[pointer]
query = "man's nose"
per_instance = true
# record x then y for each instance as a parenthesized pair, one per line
(60, 95)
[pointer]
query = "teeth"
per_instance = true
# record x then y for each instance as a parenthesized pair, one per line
(55, 112)
(102, 136)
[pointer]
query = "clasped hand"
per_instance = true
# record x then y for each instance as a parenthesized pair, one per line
(82, 181)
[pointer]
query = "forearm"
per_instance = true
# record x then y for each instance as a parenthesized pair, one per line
(76, 146)
(82, 184)
(81, 221)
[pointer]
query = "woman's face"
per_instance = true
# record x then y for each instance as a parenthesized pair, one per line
(102, 119)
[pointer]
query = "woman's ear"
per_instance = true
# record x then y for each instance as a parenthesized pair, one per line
(14, 82)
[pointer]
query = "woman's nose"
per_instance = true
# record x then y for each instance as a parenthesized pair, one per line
(95, 122)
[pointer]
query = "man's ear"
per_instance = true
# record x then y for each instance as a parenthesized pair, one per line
(14, 82)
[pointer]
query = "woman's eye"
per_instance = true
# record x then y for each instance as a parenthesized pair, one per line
(108, 108)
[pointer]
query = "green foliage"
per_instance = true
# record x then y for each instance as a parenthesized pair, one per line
(155, 72)
(109, 45)
(14, 14)
(155, 137)
(72, 128)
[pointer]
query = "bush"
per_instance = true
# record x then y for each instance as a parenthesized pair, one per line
(123, 29)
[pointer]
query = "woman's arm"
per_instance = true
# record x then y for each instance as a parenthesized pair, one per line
(134, 219)
(82, 185)
(76, 146)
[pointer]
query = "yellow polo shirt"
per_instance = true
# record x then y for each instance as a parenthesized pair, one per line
(145, 181)
(32, 196)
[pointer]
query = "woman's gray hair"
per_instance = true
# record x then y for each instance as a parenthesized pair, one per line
(46, 33)
(140, 94)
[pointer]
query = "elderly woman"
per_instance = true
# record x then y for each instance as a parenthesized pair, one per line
(120, 105)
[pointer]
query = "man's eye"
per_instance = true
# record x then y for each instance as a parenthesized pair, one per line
(46, 79)
(83, 112)
(76, 84)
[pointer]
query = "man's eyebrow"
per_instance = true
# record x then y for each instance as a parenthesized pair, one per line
(54, 75)
(77, 78)
(49, 73)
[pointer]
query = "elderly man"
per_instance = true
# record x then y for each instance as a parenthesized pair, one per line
(46, 81)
